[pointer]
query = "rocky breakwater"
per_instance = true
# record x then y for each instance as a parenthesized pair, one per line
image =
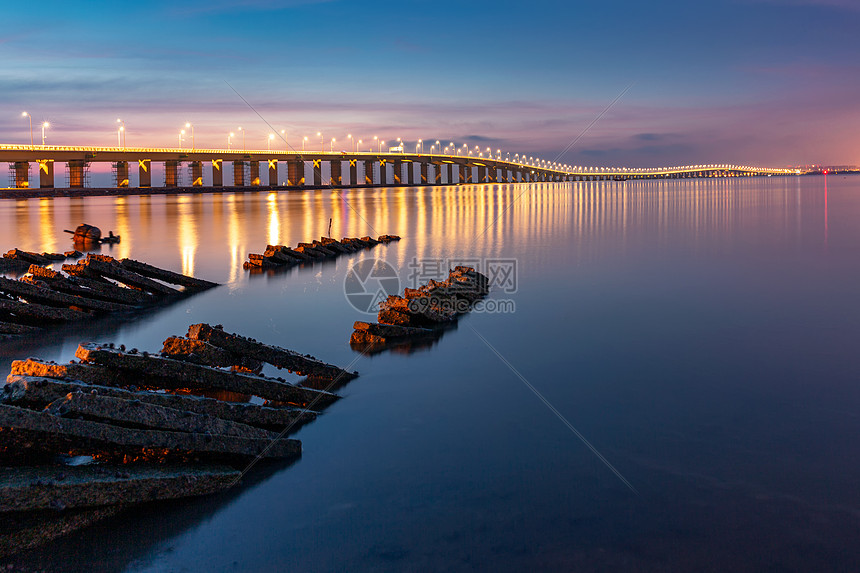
(148, 426)
(93, 286)
(421, 315)
(280, 256)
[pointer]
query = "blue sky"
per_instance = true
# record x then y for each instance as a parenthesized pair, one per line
(773, 82)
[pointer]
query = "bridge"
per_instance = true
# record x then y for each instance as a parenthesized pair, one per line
(393, 168)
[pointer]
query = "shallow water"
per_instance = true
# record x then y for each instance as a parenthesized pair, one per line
(699, 334)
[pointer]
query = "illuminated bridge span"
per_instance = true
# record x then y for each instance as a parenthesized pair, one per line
(390, 168)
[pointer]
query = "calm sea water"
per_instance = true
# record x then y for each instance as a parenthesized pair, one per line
(700, 334)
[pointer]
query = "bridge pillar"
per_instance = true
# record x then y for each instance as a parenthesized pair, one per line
(238, 174)
(273, 173)
(254, 168)
(409, 176)
(295, 173)
(144, 170)
(353, 172)
(21, 170)
(77, 168)
(437, 173)
(398, 172)
(121, 173)
(46, 173)
(368, 172)
(217, 173)
(492, 174)
(383, 172)
(317, 172)
(197, 174)
(482, 173)
(424, 173)
(336, 177)
(171, 173)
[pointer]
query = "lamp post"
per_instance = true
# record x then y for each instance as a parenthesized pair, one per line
(187, 125)
(303, 143)
(45, 125)
(230, 140)
(378, 148)
(243, 137)
(331, 145)
(120, 134)
(286, 145)
(28, 116)
(349, 136)
(269, 141)
(359, 145)
(181, 133)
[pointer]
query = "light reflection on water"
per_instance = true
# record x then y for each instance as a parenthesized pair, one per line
(700, 333)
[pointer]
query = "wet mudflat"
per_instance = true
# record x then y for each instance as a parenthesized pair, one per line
(700, 334)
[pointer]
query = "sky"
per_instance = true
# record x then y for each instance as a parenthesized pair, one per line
(615, 82)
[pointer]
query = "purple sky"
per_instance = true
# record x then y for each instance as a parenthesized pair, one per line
(768, 82)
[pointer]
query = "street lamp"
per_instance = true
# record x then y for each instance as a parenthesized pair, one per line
(243, 137)
(27, 115)
(286, 145)
(269, 141)
(45, 125)
(331, 145)
(120, 133)
(303, 143)
(230, 140)
(421, 143)
(181, 133)
(359, 145)
(349, 136)
(187, 125)
(378, 148)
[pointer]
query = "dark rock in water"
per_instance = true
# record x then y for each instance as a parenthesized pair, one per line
(27, 431)
(134, 413)
(86, 234)
(201, 352)
(274, 355)
(166, 276)
(54, 256)
(37, 314)
(157, 371)
(35, 488)
(37, 391)
(33, 258)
